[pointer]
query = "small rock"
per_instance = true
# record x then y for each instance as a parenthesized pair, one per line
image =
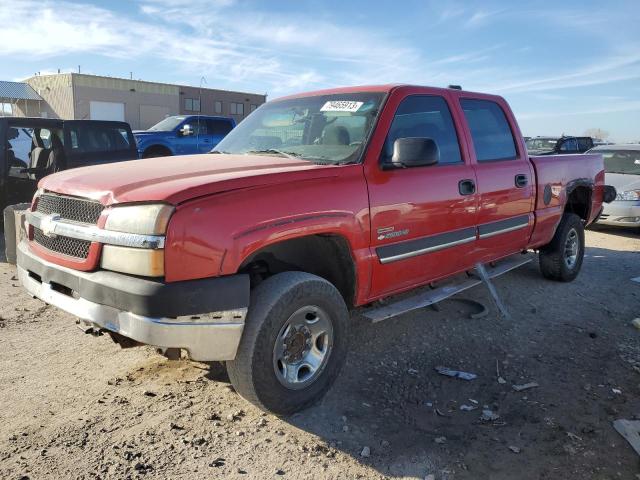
(262, 422)
(514, 449)
(218, 462)
(345, 428)
(489, 416)
(440, 440)
(366, 452)
(501, 381)
(149, 393)
(384, 444)
(468, 408)
(279, 471)
(412, 371)
(617, 391)
(526, 386)
(636, 323)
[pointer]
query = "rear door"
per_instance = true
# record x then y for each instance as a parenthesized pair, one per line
(505, 178)
(422, 218)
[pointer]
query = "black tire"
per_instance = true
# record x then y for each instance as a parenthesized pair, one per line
(156, 151)
(273, 302)
(553, 258)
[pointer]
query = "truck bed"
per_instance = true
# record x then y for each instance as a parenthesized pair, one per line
(556, 176)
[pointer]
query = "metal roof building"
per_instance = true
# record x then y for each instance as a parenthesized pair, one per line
(17, 91)
(19, 97)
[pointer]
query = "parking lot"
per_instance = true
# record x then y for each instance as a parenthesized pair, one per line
(80, 407)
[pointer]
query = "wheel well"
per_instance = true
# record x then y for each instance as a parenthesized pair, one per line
(156, 151)
(579, 202)
(327, 256)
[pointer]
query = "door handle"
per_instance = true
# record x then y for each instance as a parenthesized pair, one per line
(467, 187)
(521, 180)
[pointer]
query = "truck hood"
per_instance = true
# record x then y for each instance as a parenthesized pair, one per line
(178, 179)
(623, 182)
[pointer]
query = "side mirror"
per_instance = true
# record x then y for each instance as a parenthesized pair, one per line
(185, 131)
(414, 152)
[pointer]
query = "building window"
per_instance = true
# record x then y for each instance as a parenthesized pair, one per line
(192, 104)
(237, 108)
(6, 109)
(253, 107)
(217, 107)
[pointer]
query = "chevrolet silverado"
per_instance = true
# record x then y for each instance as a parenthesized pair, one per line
(314, 205)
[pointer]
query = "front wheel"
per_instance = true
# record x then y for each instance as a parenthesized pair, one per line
(562, 258)
(293, 345)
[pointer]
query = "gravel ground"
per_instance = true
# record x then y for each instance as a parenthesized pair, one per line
(80, 407)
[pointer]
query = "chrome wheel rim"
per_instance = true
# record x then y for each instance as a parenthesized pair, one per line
(571, 248)
(302, 347)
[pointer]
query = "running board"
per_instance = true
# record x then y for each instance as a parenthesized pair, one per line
(430, 297)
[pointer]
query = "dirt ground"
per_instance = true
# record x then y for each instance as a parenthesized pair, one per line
(74, 406)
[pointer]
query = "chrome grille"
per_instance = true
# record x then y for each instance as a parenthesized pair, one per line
(72, 247)
(70, 208)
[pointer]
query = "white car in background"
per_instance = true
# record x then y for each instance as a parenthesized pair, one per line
(622, 171)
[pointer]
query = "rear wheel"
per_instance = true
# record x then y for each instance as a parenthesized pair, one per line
(562, 258)
(156, 151)
(293, 345)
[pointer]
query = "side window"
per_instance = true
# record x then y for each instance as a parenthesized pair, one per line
(584, 144)
(199, 127)
(490, 132)
(91, 138)
(569, 145)
(219, 127)
(424, 116)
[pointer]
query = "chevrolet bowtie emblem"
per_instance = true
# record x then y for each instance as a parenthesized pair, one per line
(48, 225)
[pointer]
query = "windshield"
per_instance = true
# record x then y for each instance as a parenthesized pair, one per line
(167, 125)
(621, 161)
(541, 143)
(322, 129)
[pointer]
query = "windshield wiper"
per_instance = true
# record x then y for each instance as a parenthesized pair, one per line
(277, 152)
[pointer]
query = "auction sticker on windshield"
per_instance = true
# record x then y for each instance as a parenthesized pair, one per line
(341, 106)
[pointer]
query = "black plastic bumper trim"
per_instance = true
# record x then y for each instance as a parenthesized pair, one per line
(150, 298)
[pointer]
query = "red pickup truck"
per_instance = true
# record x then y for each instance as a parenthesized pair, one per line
(314, 205)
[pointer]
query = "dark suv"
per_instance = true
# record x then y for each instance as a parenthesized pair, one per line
(558, 145)
(32, 148)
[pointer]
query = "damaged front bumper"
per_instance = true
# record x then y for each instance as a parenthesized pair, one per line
(205, 317)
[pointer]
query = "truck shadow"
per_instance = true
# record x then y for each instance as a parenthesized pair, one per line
(390, 399)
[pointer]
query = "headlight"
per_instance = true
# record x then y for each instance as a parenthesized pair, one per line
(629, 195)
(143, 219)
(149, 219)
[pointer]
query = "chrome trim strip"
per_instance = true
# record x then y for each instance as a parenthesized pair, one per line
(52, 225)
(503, 230)
(434, 248)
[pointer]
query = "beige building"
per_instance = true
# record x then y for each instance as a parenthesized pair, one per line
(139, 103)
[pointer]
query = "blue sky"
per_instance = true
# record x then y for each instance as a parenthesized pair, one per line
(565, 66)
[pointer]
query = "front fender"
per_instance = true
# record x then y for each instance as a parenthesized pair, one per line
(213, 235)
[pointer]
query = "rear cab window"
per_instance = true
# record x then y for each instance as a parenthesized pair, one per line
(426, 116)
(491, 134)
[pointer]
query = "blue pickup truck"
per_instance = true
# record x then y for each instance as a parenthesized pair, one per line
(182, 135)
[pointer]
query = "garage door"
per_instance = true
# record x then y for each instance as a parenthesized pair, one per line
(106, 111)
(152, 114)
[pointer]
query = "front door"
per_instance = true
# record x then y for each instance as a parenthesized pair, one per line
(422, 218)
(505, 180)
